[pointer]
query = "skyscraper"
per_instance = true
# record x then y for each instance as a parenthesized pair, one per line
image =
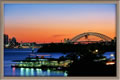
(13, 40)
(5, 39)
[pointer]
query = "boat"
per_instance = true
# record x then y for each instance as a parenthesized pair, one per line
(39, 61)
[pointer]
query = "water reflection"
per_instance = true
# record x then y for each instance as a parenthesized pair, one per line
(48, 72)
(38, 72)
(32, 72)
(27, 71)
(65, 73)
(13, 69)
(22, 71)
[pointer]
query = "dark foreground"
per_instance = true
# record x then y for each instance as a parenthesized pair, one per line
(87, 59)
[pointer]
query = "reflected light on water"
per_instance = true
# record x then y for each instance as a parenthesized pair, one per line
(48, 72)
(13, 69)
(22, 71)
(39, 72)
(27, 71)
(65, 73)
(32, 72)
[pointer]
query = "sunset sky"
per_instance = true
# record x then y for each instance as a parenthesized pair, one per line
(43, 23)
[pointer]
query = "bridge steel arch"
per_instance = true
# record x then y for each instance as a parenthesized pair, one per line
(102, 36)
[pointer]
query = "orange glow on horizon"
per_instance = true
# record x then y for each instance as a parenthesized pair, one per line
(54, 33)
(48, 24)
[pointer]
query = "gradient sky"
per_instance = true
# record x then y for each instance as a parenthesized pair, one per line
(53, 22)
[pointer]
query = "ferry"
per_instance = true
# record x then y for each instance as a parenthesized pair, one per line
(39, 61)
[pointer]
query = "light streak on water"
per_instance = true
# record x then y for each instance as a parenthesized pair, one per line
(22, 71)
(13, 69)
(27, 71)
(65, 73)
(48, 72)
(32, 72)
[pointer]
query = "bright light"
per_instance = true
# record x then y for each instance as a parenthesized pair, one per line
(96, 50)
(48, 70)
(110, 63)
(112, 55)
(65, 73)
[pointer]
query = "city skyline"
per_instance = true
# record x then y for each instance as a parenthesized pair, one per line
(44, 23)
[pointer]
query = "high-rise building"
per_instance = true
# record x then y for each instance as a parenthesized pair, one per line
(13, 40)
(6, 39)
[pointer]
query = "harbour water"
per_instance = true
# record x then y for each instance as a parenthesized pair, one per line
(21, 54)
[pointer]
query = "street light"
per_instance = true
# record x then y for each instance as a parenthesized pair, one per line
(96, 50)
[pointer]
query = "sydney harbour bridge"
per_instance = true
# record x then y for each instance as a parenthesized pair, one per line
(78, 37)
(86, 34)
